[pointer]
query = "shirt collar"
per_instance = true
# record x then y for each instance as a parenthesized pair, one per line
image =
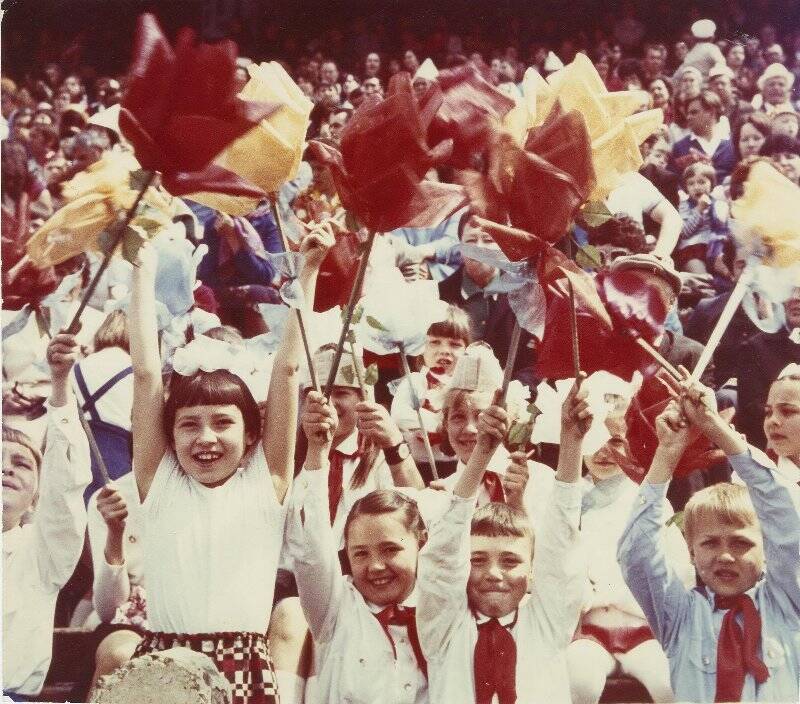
(709, 146)
(604, 492)
(788, 469)
(469, 288)
(509, 620)
(349, 446)
(11, 539)
(710, 595)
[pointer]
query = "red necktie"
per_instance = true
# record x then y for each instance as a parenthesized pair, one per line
(737, 651)
(495, 664)
(394, 615)
(336, 479)
(433, 383)
(494, 487)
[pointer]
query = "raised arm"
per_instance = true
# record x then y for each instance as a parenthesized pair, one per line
(147, 426)
(670, 226)
(653, 581)
(492, 428)
(280, 420)
(310, 537)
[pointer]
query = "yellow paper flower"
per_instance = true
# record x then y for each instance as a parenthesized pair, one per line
(522, 116)
(95, 198)
(270, 153)
(767, 215)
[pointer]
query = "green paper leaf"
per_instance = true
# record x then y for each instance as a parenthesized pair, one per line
(596, 213)
(152, 226)
(132, 241)
(371, 375)
(677, 519)
(588, 257)
(358, 312)
(43, 321)
(348, 373)
(351, 336)
(138, 179)
(373, 323)
(519, 435)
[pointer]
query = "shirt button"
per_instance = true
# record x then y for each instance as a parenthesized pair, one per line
(64, 421)
(408, 686)
(402, 640)
(361, 661)
(131, 538)
(706, 660)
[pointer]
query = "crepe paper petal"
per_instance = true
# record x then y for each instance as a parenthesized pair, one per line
(338, 272)
(471, 109)
(549, 401)
(432, 203)
(770, 287)
(613, 155)
(767, 217)
(490, 256)
(645, 123)
(530, 307)
(624, 103)
(386, 320)
(516, 244)
(180, 108)
(292, 294)
(522, 117)
(270, 153)
(217, 188)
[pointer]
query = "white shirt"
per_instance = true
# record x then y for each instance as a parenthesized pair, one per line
(635, 196)
(112, 583)
(604, 516)
(39, 557)
(546, 621)
(353, 658)
(537, 491)
(115, 405)
(211, 554)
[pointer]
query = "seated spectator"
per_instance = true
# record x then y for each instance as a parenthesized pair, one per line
(775, 88)
(704, 143)
(786, 121)
(734, 110)
(749, 135)
(785, 152)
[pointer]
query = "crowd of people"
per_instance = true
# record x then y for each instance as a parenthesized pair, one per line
(175, 462)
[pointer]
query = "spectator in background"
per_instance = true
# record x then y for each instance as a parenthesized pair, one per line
(720, 81)
(630, 74)
(372, 86)
(704, 52)
(785, 152)
(749, 135)
(774, 86)
(660, 89)
(372, 65)
(744, 78)
(654, 62)
(786, 121)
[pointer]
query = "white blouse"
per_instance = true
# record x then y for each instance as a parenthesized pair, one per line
(211, 554)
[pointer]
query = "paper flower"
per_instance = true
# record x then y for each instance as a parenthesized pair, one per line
(471, 109)
(180, 109)
(766, 218)
(522, 117)
(384, 157)
(387, 320)
(94, 199)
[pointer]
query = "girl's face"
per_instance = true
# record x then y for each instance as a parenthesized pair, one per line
(750, 140)
(698, 185)
(442, 352)
(383, 557)
(602, 464)
(462, 424)
(782, 418)
(210, 441)
(736, 56)
(345, 400)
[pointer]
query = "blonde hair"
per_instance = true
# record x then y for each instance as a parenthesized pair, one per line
(13, 435)
(455, 399)
(723, 503)
(113, 332)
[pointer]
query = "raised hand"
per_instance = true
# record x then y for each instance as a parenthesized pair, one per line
(315, 246)
(492, 427)
(62, 353)
(112, 508)
(673, 429)
(319, 421)
(375, 422)
(515, 480)
(576, 416)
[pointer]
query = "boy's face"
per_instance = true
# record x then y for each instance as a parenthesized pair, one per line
(729, 558)
(500, 573)
(698, 185)
(383, 557)
(442, 352)
(20, 481)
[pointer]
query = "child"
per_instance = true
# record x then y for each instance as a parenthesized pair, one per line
(366, 646)
(482, 634)
(735, 637)
(705, 228)
(39, 555)
(446, 341)
(212, 480)
(510, 478)
(613, 634)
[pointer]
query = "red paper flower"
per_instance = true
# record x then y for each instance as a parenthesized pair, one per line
(180, 109)
(337, 273)
(539, 188)
(384, 157)
(470, 110)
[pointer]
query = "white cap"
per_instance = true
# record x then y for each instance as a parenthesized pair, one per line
(703, 29)
(720, 70)
(427, 71)
(108, 118)
(776, 71)
(552, 63)
(477, 370)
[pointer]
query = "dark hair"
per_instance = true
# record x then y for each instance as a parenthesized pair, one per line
(742, 171)
(778, 144)
(666, 80)
(756, 119)
(630, 67)
(455, 325)
(383, 501)
(494, 520)
(217, 388)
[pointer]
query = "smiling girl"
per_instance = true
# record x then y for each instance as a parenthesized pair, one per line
(212, 479)
(366, 646)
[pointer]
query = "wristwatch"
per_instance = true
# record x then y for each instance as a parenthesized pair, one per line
(397, 453)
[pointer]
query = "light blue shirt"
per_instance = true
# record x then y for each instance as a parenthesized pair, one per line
(445, 235)
(685, 622)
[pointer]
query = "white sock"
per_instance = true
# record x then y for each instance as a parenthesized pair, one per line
(291, 687)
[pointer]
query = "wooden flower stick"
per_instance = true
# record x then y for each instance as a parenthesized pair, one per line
(357, 370)
(101, 463)
(299, 313)
(415, 401)
(348, 316)
(510, 361)
(658, 357)
(119, 232)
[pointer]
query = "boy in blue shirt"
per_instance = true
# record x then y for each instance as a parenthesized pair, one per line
(736, 637)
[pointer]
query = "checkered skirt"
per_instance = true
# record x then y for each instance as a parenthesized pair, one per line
(243, 658)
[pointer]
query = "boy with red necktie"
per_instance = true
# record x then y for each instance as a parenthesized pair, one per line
(484, 637)
(737, 636)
